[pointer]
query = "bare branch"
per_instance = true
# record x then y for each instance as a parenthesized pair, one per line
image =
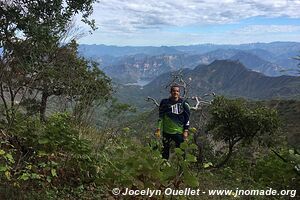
(154, 101)
(178, 80)
(200, 101)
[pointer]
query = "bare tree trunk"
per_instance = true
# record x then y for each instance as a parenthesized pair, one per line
(43, 106)
(12, 105)
(230, 150)
(200, 156)
(229, 153)
(7, 115)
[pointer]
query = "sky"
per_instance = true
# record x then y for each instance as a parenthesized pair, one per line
(188, 22)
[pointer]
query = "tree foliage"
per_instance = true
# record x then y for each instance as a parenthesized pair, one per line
(233, 121)
(52, 155)
(48, 155)
(36, 65)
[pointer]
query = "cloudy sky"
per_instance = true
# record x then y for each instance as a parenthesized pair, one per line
(185, 22)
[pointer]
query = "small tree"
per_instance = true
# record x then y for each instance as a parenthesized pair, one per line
(34, 60)
(66, 74)
(232, 121)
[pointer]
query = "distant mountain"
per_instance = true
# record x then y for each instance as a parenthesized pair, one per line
(267, 51)
(91, 51)
(248, 58)
(220, 54)
(275, 48)
(279, 53)
(263, 54)
(286, 59)
(131, 64)
(130, 69)
(257, 64)
(225, 77)
(142, 67)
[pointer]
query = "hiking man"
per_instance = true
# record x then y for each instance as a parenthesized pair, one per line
(173, 122)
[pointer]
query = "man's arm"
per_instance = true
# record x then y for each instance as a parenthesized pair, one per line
(186, 114)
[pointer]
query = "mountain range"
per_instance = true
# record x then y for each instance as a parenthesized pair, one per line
(224, 77)
(143, 67)
(274, 48)
(131, 64)
(254, 71)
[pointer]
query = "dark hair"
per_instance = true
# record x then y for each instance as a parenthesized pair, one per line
(173, 86)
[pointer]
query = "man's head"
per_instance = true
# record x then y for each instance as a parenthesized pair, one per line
(175, 92)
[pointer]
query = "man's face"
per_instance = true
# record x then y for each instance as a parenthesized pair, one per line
(175, 92)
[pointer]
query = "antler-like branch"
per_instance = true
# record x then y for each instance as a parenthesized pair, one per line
(200, 101)
(154, 100)
(178, 80)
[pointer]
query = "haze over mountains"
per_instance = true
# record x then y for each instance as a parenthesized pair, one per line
(226, 77)
(274, 48)
(231, 78)
(256, 71)
(131, 64)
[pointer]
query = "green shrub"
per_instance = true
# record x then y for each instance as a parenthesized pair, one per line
(126, 164)
(38, 156)
(273, 172)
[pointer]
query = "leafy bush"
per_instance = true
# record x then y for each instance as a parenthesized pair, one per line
(273, 172)
(35, 155)
(127, 164)
(232, 121)
(50, 160)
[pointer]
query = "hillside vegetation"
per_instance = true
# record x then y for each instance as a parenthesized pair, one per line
(61, 160)
(64, 136)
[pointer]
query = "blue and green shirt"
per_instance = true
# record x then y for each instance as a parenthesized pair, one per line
(173, 116)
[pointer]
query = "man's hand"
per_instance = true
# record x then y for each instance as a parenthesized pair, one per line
(157, 133)
(185, 134)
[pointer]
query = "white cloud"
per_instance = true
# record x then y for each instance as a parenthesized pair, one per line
(161, 37)
(153, 22)
(266, 29)
(136, 15)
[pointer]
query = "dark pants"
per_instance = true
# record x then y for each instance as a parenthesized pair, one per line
(167, 139)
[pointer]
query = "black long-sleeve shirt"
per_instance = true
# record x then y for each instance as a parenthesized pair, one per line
(173, 116)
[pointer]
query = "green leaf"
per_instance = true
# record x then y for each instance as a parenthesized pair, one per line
(169, 173)
(7, 174)
(190, 180)
(193, 130)
(42, 164)
(184, 145)
(2, 152)
(178, 151)
(28, 167)
(24, 176)
(43, 141)
(193, 146)
(48, 179)
(3, 168)
(42, 153)
(10, 158)
(126, 129)
(191, 158)
(54, 163)
(53, 172)
(35, 176)
(206, 165)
